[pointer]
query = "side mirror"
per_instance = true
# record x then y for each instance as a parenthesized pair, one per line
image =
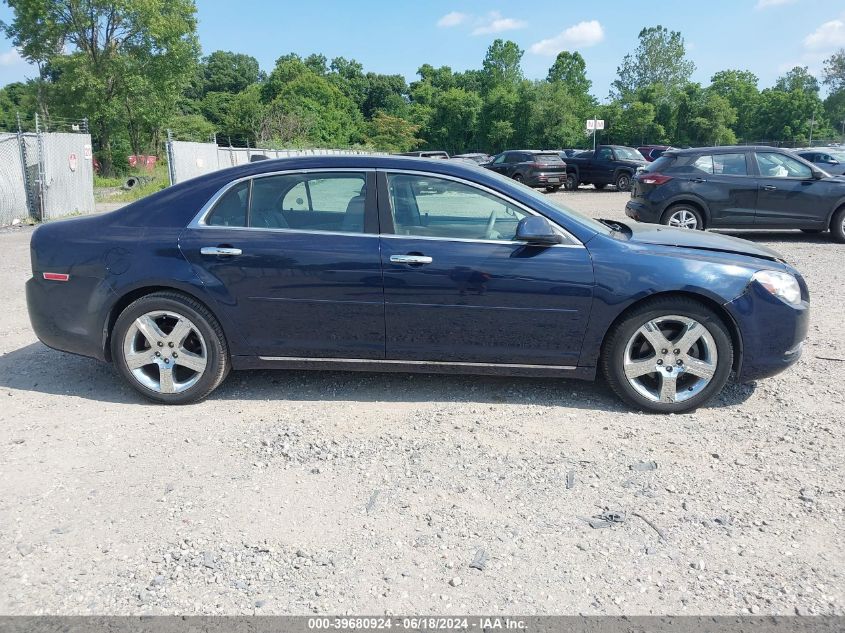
(818, 174)
(537, 230)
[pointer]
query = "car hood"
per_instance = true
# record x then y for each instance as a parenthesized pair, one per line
(699, 240)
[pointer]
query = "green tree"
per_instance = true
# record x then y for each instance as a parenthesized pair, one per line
(454, 123)
(834, 71)
(799, 78)
(501, 64)
(739, 87)
(660, 58)
(571, 69)
(121, 63)
(224, 71)
(391, 133)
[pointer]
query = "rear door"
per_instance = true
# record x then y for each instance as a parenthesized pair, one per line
(788, 195)
(293, 259)
(725, 183)
(458, 288)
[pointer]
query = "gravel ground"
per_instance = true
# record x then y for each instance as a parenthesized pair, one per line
(293, 492)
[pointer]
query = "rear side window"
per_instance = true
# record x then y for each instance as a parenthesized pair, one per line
(316, 202)
(230, 210)
(730, 165)
(664, 163)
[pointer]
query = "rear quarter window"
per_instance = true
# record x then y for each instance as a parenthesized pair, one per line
(664, 163)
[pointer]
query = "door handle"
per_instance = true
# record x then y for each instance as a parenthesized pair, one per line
(769, 188)
(699, 180)
(220, 251)
(410, 259)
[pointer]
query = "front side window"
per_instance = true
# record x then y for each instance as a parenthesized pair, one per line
(427, 206)
(310, 202)
(774, 165)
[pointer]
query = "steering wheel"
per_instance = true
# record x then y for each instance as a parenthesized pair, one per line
(489, 231)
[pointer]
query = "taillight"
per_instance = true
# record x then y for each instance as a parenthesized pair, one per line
(655, 179)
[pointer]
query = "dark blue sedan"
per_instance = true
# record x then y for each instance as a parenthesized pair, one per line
(400, 264)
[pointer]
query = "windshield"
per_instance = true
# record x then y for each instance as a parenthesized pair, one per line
(627, 153)
(544, 201)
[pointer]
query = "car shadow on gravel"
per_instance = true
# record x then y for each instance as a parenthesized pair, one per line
(37, 368)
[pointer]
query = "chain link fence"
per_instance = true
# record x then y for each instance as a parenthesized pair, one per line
(45, 175)
(187, 159)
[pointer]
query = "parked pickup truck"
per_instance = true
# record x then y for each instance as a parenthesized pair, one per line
(608, 165)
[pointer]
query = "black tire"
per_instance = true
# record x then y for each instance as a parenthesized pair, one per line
(600, 186)
(677, 211)
(517, 177)
(571, 181)
(837, 226)
(623, 181)
(613, 352)
(215, 348)
(552, 189)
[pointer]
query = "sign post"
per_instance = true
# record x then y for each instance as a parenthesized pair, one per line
(595, 125)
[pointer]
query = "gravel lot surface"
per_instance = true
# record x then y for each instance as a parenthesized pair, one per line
(294, 492)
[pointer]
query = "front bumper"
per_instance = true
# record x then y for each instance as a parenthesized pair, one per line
(772, 332)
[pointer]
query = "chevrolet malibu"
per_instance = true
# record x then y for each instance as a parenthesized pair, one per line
(385, 263)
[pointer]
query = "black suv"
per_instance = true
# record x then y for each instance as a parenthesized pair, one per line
(738, 187)
(531, 167)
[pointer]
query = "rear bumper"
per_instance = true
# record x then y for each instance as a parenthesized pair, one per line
(546, 179)
(772, 331)
(642, 212)
(68, 316)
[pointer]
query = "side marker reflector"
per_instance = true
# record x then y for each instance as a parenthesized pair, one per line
(56, 276)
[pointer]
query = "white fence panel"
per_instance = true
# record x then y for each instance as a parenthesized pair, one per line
(13, 205)
(68, 174)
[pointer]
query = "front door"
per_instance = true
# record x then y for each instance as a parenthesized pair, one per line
(458, 288)
(787, 194)
(293, 259)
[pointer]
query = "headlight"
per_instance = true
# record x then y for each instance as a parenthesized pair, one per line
(782, 285)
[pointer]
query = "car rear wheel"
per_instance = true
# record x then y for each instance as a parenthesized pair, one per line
(683, 216)
(623, 182)
(571, 182)
(517, 177)
(669, 356)
(170, 348)
(837, 226)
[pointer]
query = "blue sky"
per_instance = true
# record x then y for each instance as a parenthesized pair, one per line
(395, 36)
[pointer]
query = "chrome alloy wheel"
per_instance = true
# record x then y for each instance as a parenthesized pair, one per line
(670, 359)
(682, 218)
(165, 352)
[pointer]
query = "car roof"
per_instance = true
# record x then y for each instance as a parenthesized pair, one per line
(722, 149)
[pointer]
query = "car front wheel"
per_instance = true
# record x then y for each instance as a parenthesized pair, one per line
(170, 348)
(668, 356)
(837, 226)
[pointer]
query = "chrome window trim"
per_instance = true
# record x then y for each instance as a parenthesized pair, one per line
(575, 243)
(360, 361)
(198, 221)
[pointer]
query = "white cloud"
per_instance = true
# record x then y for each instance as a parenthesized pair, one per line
(766, 4)
(452, 19)
(495, 23)
(829, 35)
(579, 35)
(10, 58)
